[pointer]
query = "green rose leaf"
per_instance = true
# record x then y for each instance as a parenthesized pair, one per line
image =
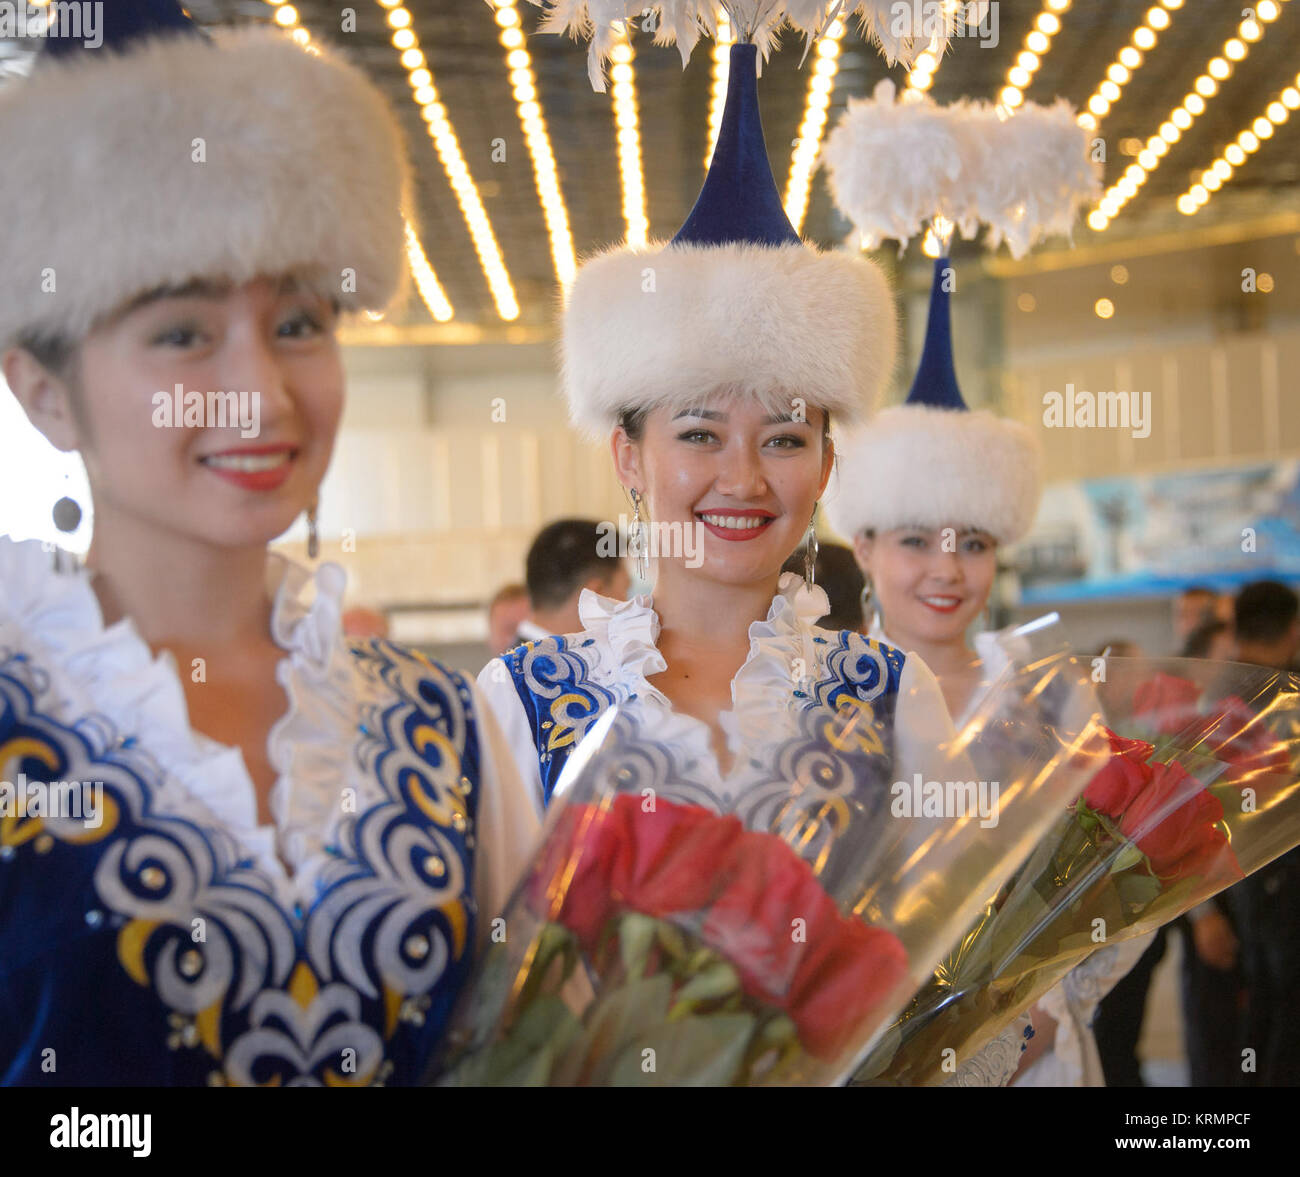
(701, 1051)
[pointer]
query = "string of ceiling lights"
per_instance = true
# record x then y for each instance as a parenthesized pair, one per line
(721, 71)
(803, 161)
(1127, 62)
(533, 123)
(443, 134)
(627, 120)
(1037, 45)
(426, 280)
(1237, 152)
(1218, 69)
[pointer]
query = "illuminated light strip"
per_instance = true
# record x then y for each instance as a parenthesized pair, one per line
(286, 16)
(426, 281)
(1217, 69)
(804, 159)
(1236, 153)
(921, 76)
(1127, 62)
(1038, 44)
(629, 139)
(721, 71)
(443, 135)
(533, 123)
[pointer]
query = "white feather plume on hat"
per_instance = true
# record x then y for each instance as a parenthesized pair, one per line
(901, 28)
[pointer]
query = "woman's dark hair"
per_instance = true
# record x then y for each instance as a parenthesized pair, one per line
(52, 352)
(839, 575)
(633, 423)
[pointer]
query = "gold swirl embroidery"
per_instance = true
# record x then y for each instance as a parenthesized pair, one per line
(565, 730)
(131, 942)
(15, 829)
(416, 786)
(853, 727)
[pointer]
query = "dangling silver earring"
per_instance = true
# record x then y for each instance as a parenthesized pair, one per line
(636, 539)
(870, 617)
(313, 540)
(810, 551)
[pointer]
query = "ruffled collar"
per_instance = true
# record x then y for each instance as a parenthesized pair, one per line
(763, 695)
(110, 671)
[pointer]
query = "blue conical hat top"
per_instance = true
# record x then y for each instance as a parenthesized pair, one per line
(121, 22)
(935, 384)
(739, 202)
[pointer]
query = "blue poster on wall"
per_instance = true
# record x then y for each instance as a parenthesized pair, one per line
(1151, 535)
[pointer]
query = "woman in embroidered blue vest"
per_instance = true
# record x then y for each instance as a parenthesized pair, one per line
(715, 365)
(235, 849)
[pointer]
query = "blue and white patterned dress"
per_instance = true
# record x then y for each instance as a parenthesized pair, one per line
(152, 933)
(548, 693)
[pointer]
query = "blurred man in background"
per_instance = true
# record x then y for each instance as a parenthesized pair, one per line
(1194, 607)
(564, 559)
(506, 612)
(1264, 909)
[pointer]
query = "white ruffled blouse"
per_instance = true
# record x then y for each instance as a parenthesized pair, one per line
(110, 672)
(619, 644)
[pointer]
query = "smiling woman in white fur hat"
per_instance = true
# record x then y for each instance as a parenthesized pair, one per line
(713, 365)
(272, 852)
(927, 495)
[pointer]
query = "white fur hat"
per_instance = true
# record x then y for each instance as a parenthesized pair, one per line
(922, 466)
(670, 325)
(931, 462)
(167, 158)
(734, 303)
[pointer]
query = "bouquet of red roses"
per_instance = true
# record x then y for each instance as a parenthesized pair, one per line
(658, 939)
(1198, 792)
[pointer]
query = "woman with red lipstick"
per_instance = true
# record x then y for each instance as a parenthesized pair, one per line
(259, 854)
(928, 548)
(714, 365)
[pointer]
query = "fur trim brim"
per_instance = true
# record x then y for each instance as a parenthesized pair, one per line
(676, 324)
(923, 467)
(234, 158)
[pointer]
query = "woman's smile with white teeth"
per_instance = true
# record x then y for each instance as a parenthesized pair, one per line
(737, 521)
(250, 463)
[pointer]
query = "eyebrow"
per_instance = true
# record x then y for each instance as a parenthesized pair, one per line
(198, 288)
(210, 288)
(714, 415)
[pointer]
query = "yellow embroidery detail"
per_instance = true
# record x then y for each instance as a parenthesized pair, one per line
(208, 1024)
(131, 942)
(562, 734)
(303, 986)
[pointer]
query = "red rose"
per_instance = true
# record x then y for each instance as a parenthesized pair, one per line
(668, 856)
(1173, 821)
(603, 857)
(1235, 732)
(1125, 775)
(1166, 703)
(841, 980)
(764, 888)
(763, 908)
(791, 946)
